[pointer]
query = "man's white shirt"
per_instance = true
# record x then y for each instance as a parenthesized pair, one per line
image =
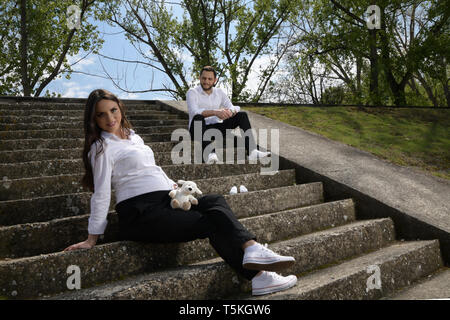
(198, 101)
(126, 165)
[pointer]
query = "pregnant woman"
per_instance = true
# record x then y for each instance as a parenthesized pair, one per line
(115, 157)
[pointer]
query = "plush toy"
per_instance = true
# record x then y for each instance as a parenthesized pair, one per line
(183, 196)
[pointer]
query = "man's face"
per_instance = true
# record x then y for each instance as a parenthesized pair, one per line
(207, 80)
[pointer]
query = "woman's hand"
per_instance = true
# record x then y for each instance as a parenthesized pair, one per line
(87, 244)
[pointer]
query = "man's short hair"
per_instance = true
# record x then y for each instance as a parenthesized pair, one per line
(210, 69)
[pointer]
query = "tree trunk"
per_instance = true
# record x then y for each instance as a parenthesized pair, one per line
(397, 89)
(428, 89)
(374, 97)
(23, 47)
(358, 79)
(447, 92)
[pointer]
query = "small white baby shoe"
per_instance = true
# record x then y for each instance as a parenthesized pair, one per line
(243, 189)
(212, 158)
(233, 190)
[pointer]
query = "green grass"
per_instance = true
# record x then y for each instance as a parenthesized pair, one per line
(417, 138)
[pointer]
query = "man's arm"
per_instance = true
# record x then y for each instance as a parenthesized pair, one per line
(209, 113)
(227, 104)
(192, 102)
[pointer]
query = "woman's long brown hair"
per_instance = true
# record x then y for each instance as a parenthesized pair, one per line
(92, 132)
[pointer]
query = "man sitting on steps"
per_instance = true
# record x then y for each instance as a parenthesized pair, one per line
(212, 108)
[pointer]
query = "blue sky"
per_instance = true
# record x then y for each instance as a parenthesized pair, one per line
(134, 77)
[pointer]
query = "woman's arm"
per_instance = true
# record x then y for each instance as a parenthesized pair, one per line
(100, 200)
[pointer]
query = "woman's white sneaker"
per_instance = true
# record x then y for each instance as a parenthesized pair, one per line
(259, 257)
(270, 282)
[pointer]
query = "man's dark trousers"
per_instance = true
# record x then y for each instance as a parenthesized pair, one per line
(240, 120)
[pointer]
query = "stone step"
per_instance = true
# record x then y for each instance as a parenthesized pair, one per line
(182, 123)
(19, 157)
(58, 145)
(74, 133)
(72, 162)
(54, 207)
(64, 143)
(71, 113)
(22, 188)
(73, 106)
(45, 237)
(97, 264)
(63, 205)
(434, 286)
(43, 118)
(397, 266)
(216, 280)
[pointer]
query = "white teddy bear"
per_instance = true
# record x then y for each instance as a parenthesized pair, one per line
(182, 197)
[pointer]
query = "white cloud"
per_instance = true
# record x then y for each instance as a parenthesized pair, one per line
(253, 77)
(128, 95)
(253, 80)
(75, 90)
(80, 64)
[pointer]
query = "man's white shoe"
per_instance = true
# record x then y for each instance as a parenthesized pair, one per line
(259, 257)
(256, 154)
(212, 158)
(233, 190)
(270, 282)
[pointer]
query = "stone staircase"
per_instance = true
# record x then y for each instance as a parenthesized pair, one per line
(43, 209)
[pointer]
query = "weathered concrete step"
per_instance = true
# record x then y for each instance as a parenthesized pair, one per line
(74, 132)
(64, 143)
(14, 189)
(69, 161)
(216, 280)
(397, 266)
(71, 204)
(45, 237)
(237, 156)
(71, 113)
(162, 158)
(48, 208)
(41, 118)
(18, 156)
(72, 106)
(43, 208)
(79, 124)
(434, 286)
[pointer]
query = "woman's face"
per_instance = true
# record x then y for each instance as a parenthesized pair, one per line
(108, 116)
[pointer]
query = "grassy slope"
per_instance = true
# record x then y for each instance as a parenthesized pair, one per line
(416, 138)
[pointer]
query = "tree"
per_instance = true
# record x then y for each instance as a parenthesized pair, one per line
(376, 65)
(399, 66)
(36, 41)
(229, 34)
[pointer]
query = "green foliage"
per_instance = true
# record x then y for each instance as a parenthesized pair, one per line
(333, 95)
(48, 42)
(404, 62)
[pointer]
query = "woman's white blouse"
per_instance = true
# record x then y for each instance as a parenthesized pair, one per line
(129, 166)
